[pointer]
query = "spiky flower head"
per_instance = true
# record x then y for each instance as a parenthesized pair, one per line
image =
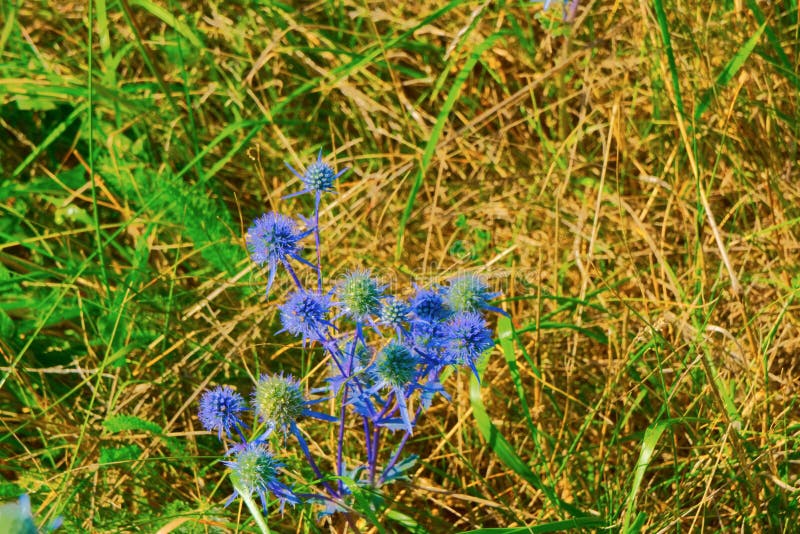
(255, 471)
(360, 295)
(427, 337)
(467, 336)
(318, 178)
(303, 314)
(219, 409)
(394, 312)
(396, 365)
(271, 239)
(468, 293)
(428, 305)
(278, 400)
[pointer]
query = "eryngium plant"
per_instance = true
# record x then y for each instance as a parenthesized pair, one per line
(388, 354)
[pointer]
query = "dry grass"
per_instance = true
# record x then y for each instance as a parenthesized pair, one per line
(650, 261)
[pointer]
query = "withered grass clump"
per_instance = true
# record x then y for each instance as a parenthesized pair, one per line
(629, 181)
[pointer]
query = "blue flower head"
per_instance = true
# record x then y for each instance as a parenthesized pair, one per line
(271, 239)
(255, 470)
(469, 293)
(360, 295)
(303, 314)
(318, 178)
(396, 368)
(219, 409)
(428, 337)
(428, 305)
(396, 365)
(278, 400)
(467, 336)
(394, 313)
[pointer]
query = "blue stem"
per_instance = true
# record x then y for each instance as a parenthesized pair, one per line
(290, 269)
(396, 455)
(317, 241)
(310, 459)
(340, 442)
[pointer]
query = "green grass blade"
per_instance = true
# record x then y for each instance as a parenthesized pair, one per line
(579, 523)
(169, 19)
(436, 133)
(49, 140)
(506, 453)
(505, 333)
(651, 437)
(729, 71)
(667, 42)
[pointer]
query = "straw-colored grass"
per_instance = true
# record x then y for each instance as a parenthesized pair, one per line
(641, 218)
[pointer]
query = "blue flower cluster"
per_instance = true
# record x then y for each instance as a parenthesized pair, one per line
(387, 351)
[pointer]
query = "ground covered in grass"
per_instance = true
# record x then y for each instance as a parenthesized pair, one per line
(628, 179)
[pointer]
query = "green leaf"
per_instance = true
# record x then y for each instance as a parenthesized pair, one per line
(506, 453)
(729, 71)
(122, 423)
(436, 132)
(127, 453)
(406, 521)
(651, 437)
(170, 20)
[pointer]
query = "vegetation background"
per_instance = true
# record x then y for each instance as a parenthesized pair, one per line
(629, 179)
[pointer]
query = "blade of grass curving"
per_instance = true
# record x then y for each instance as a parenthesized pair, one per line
(10, 14)
(554, 526)
(506, 453)
(92, 179)
(169, 19)
(728, 72)
(226, 132)
(405, 521)
(505, 333)
(436, 133)
(190, 107)
(772, 38)
(507, 336)
(596, 335)
(649, 442)
(661, 16)
(50, 139)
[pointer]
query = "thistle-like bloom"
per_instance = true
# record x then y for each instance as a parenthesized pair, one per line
(428, 305)
(360, 295)
(466, 337)
(303, 314)
(396, 365)
(428, 337)
(219, 409)
(278, 400)
(255, 470)
(318, 178)
(271, 239)
(396, 368)
(470, 293)
(394, 313)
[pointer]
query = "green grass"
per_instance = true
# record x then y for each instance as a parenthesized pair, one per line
(628, 181)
